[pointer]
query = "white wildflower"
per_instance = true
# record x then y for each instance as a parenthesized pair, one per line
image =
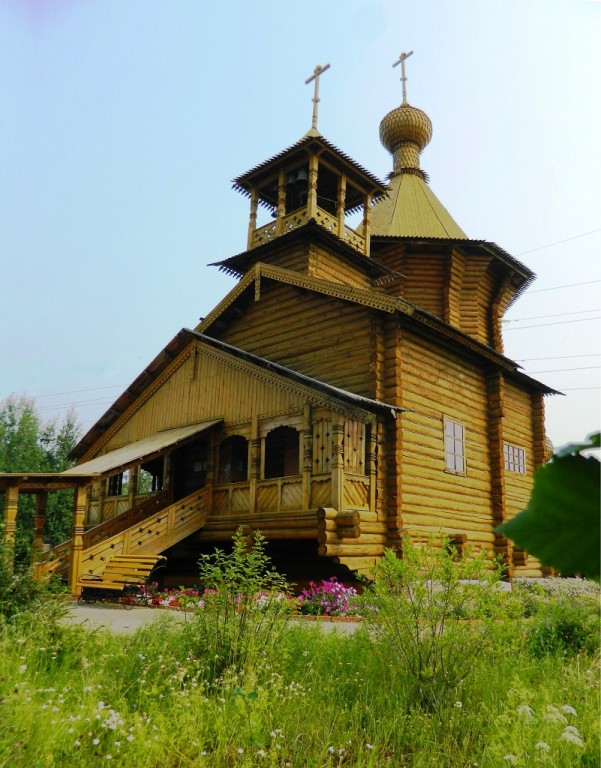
(511, 759)
(525, 711)
(542, 745)
(569, 710)
(572, 738)
(240, 751)
(458, 704)
(22, 668)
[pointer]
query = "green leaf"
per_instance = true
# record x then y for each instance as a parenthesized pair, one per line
(561, 523)
(592, 441)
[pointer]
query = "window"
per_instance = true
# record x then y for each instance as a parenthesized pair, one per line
(151, 476)
(281, 453)
(118, 485)
(233, 460)
(515, 458)
(454, 446)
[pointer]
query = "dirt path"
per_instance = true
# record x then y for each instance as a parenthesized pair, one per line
(118, 619)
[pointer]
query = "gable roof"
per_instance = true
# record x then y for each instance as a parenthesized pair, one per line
(178, 344)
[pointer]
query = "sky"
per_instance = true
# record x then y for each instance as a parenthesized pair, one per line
(123, 122)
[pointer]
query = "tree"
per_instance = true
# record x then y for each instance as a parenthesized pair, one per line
(30, 444)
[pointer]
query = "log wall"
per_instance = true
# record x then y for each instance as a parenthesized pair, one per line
(315, 335)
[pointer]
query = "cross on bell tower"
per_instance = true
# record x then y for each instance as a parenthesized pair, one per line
(319, 70)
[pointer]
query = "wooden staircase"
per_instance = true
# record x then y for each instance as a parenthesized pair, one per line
(137, 532)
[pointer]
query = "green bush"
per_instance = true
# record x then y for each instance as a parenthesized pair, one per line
(435, 614)
(19, 590)
(245, 608)
(563, 627)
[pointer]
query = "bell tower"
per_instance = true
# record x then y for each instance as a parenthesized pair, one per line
(311, 181)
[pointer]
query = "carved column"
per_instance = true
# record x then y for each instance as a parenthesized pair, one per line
(255, 464)
(366, 223)
(11, 505)
(281, 209)
(307, 456)
(338, 463)
(252, 224)
(79, 512)
(341, 204)
(312, 189)
(41, 505)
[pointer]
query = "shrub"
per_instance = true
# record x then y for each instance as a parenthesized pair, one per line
(245, 605)
(563, 627)
(19, 590)
(435, 614)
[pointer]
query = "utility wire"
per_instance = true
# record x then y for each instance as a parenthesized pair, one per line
(558, 287)
(560, 357)
(558, 370)
(78, 391)
(555, 314)
(559, 242)
(559, 322)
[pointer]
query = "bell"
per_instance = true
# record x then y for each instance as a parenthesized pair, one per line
(301, 176)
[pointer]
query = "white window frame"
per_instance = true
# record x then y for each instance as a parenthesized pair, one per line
(454, 446)
(514, 458)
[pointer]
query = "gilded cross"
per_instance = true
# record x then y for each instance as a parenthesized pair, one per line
(401, 61)
(319, 70)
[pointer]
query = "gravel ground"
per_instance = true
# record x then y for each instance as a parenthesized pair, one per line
(118, 619)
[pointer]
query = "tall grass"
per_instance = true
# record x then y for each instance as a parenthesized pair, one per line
(71, 696)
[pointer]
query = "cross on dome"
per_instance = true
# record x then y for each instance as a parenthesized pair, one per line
(401, 61)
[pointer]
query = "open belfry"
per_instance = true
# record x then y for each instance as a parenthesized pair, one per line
(350, 390)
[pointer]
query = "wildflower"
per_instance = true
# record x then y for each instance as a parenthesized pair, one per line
(22, 668)
(572, 738)
(511, 759)
(331, 750)
(458, 704)
(261, 752)
(554, 715)
(572, 729)
(77, 743)
(569, 710)
(109, 757)
(95, 742)
(341, 752)
(542, 745)
(526, 711)
(369, 746)
(240, 751)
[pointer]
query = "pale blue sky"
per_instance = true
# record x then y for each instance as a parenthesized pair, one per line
(122, 123)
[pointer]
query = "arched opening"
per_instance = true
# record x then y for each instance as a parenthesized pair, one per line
(282, 453)
(233, 460)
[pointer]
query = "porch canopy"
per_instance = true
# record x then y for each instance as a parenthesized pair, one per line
(147, 448)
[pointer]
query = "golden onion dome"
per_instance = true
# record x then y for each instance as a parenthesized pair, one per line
(405, 131)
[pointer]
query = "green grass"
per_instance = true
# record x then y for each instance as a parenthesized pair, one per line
(75, 697)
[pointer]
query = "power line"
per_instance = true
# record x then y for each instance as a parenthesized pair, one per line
(559, 242)
(559, 322)
(558, 287)
(558, 370)
(555, 314)
(573, 389)
(78, 391)
(560, 357)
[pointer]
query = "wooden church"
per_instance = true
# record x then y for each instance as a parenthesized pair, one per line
(351, 388)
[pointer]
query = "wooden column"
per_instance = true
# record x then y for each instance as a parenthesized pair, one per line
(337, 463)
(312, 189)
(371, 457)
(79, 512)
(252, 224)
(255, 464)
(341, 204)
(366, 223)
(307, 456)
(281, 209)
(11, 505)
(41, 505)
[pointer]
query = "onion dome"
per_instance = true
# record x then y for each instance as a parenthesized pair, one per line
(405, 131)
